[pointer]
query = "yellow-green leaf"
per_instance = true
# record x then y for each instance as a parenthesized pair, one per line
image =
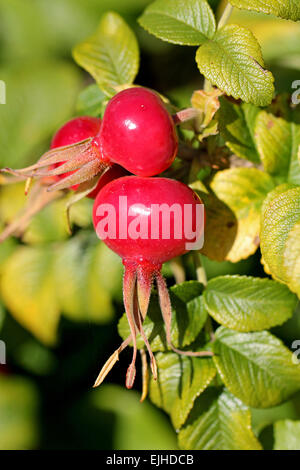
(111, 55)
(232, 61)
(243, 190)
(221, 422)
(280, 243)
(186, 22)
(287, 9)
(256, 367)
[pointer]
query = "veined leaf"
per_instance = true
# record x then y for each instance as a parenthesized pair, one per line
(280, 243)
(243, 190)
(287, 435)
(245, 303)
(237, 125)
(189, 316)
(232, 61)
(287, 9)
(278, 143)
(180, 381)
(221, 422)
(186, 22)
(256, 367)
(111, 55)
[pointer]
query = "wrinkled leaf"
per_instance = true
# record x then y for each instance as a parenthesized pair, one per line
(180, 381)
(287, 9)
(243, 190)
(186, 22)
(256, 367)
(278, 144)
(219, 422)
(280, 243)
(232, 61)
(245, 303)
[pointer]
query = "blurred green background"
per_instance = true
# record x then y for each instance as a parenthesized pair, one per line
(60, 298)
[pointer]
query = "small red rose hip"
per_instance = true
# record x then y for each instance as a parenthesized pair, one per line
(138, 132)
(74, 131)
(146, 221)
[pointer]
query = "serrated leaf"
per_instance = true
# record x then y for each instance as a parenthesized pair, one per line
(256, 367)
(111, 55)
(236, 123)
(287, 435)
(19, 414)
(91, 101)
(27, 287)
(287, 9)
(180, 381)
(188, 318)
(186, 22)
(222, 422)
(280, 243)
(278, 144)
(245, 303)
(232, 61)
(243, 190)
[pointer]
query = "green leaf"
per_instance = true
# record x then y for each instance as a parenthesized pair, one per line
(287, 435)
(243, 190)
(278, 144)
(188, 318)
(287, 9)
(27, 288)
(237, 124)
(185, 22)
(18, 410)
(232, 61)
(280, 243)
(111, 55)
(245, 303)
(221, 422)
(91, 101)
(256, 367)
(180, 381)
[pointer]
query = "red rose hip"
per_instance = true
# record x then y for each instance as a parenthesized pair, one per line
(138, 132)
(146, 221)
